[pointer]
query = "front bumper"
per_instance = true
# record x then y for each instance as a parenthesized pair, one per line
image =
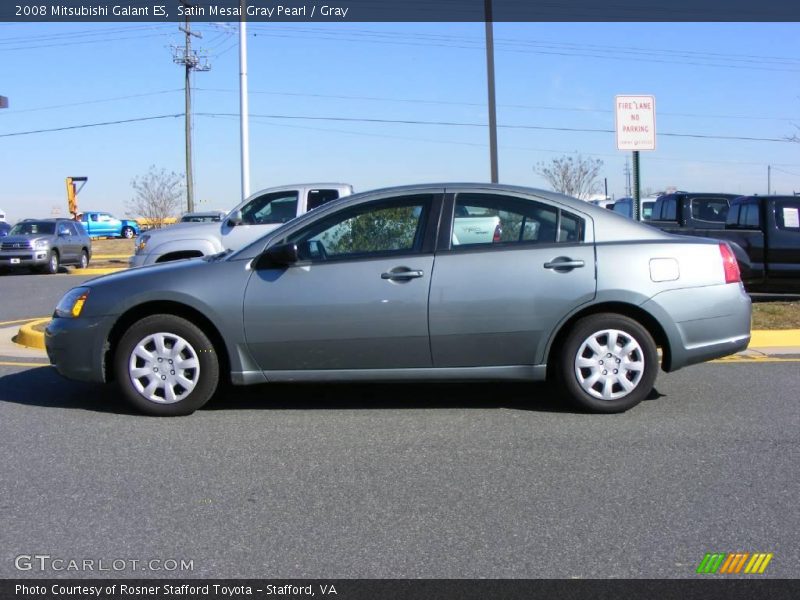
(77, 347)
(23, 258)
(138, 260)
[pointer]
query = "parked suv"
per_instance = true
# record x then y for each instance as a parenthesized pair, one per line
(46, 244)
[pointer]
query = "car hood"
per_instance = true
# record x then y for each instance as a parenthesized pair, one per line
(24, 239)
(187, 229)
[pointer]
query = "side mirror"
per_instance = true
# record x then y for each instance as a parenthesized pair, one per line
(235, 219)
(278, 256)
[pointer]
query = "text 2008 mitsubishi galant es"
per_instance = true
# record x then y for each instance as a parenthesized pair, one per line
(375, 287)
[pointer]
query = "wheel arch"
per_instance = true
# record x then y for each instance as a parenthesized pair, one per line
(638, 314)
(165, 307)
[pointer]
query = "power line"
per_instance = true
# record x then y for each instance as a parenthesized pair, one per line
(99, 101)
(516, 126)
(483, 104)
(87, 125)
(404, 122)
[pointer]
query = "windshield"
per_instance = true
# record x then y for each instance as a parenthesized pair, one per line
(33, 228)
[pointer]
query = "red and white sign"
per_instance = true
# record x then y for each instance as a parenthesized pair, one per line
(636, 122)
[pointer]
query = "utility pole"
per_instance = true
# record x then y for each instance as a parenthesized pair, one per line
(191, 61)
(487, 7)
(244, 127)
(769, 179)
(627, 172)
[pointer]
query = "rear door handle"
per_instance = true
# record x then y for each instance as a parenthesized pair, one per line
(564, 263)
(402, 274)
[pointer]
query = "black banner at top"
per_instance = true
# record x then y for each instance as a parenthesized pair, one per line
(400, 10)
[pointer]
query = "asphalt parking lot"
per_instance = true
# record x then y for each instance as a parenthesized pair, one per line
(406, 481)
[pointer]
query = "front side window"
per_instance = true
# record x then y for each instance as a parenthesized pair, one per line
(279, 207)
(494, 219)
(787, 214)
(713, 210)
(383, 227)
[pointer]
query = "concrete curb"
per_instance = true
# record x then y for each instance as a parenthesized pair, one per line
(27, 336)
(98, 271)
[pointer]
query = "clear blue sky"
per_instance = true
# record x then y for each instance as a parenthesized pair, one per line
(726, 79)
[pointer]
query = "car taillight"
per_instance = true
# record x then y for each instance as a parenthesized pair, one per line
(498, 232)
(732, 274)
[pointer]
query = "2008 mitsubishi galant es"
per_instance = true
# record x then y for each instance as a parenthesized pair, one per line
(376, 287)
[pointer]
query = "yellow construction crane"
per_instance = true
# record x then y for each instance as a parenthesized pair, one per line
(72, 194)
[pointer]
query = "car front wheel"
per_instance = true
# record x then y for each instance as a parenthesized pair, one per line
(52, 263)
(608, 363)
(166, 366)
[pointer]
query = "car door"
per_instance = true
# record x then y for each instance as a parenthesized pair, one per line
(67, 243)
(784, 248)
(496, 301)
(358, 299)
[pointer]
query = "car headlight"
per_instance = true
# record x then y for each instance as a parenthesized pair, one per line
(71, 304)
(143, 239)
(42, 244)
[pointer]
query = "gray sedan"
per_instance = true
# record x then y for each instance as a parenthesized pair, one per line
(372, 288)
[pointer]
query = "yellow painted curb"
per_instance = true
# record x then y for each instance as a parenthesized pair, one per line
(28, 336)
(109, 256)
(98, 271)
(775, 338)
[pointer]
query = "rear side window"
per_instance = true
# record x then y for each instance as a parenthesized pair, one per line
(748, 216)
(486, 219)
(317, 198)
(669, 210)
(713, 210)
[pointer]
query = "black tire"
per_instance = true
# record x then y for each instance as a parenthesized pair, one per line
(205, 378)
(128, 232)
(53, 263)
(84, 262)
(638, 367)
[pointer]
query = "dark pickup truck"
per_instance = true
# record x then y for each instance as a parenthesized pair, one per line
(763, 231)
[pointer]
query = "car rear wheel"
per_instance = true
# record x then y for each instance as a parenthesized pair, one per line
(166, 366)
(53, 263)
(128, 232)
(84, 262)
(608, 363)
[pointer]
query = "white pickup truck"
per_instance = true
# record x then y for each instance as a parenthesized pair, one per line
(256, 216)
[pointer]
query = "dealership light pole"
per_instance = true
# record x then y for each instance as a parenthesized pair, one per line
(487, 6)
(244, 126)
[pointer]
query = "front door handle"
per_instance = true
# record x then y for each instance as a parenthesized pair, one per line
(402, 274)
(564, 263)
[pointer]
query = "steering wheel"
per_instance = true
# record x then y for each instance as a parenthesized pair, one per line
(321, 252)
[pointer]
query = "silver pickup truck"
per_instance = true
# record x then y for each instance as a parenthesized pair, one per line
(258, 215)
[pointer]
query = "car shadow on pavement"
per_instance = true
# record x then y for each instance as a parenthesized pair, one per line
(45, 388)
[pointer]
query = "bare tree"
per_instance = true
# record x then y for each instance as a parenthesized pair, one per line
(572, 175)
(157, 196)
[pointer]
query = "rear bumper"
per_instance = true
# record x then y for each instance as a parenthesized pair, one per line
(700, 331)
(76, 347)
